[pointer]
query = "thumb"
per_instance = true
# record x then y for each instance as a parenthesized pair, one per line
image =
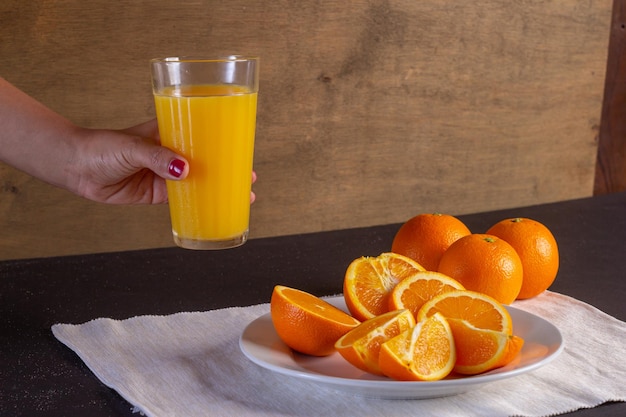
(162, 161)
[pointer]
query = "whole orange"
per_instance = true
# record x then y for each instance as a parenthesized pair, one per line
(537, 248)
(425, 237)
(486, 264)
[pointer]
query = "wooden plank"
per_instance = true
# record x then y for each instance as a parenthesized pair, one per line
(611, 163)
(369, 111)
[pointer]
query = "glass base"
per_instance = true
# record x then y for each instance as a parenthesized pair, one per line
(198, 244)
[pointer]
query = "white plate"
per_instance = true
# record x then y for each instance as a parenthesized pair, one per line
(260, 343)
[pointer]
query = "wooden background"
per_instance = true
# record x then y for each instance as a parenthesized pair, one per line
(369, 111)
(611, 163)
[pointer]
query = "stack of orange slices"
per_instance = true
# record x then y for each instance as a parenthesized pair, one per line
(361, 346)
(426, 352)
(472, 333)
(482, 329)
(404, 322)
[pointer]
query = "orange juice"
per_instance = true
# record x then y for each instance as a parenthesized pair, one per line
(213, 127)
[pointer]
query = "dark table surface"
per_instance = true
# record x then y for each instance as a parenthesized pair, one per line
(40, 376)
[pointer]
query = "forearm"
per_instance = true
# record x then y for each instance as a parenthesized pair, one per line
(35, 139)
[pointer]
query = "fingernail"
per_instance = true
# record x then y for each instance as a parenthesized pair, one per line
(176, 167)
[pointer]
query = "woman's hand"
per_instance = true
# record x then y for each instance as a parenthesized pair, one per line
(125, 167)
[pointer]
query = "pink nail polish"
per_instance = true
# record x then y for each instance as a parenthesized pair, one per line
(176, 168)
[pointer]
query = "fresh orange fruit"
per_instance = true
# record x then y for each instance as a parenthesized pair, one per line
(369, 280)
(307, 323)
(361, 345)
(536, 247)
(478, 309)
(480, 350)
(426, 237)
(424, 353)
(412, 292)
(486, 264)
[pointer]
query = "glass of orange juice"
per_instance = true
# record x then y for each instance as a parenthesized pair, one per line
(206, 111)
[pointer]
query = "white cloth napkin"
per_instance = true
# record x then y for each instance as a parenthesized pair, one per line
(190, 364)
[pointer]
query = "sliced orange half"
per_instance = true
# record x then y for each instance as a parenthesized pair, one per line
(478, 309)
(369, 281)
(413, 292)
(361, 345)
(480, 350)
(307, 323)
(423, 353)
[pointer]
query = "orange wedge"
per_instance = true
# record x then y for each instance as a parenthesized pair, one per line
(361, 345)
(307, 323)
(369, 281)
(424, 353)
(480, 350)
(478, 309)
(412, 292)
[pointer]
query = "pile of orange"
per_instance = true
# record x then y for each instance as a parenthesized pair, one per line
(516, 258)
(412, 322)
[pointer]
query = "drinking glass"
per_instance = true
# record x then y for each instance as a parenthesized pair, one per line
(206, 111)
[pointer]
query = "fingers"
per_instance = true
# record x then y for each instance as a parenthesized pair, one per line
(149, 129)
(252, 195)
(149, 154)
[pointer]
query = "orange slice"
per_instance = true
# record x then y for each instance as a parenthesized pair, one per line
(361, 345)
(307, 323)
(480, 350)
(423, 353)
(478, 309)
(412, 292)
(369, 280)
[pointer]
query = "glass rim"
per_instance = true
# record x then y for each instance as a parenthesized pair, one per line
(191, 59)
